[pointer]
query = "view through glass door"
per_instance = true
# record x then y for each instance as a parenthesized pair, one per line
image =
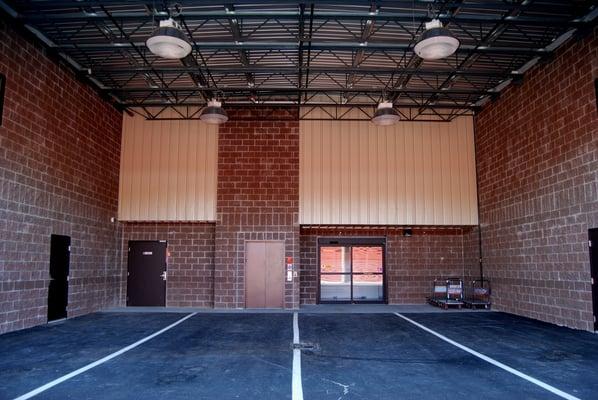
(351, 272)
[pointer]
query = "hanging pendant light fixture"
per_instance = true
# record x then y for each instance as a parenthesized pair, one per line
(385, 114)
(168, 41)
(213, 113)
(436, 42)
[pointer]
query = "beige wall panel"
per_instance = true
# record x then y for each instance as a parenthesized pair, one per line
(428, 204)
(420, 173)
(124, 182)
(437, 173)
(164, 173)
(472, 181)
(413, 173)
(391, 181)
(401, 178)
(172, 168)
(168, 170)
(409, 171)
(386, 201)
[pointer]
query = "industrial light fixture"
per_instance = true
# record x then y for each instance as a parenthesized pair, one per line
(436, 42)
(385, 114)
(213, 113)
(168, 41)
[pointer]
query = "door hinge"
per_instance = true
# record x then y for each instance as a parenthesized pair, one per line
(129, 249)
(592, 280)
(69, 249)
(589, 243)
(163, 275)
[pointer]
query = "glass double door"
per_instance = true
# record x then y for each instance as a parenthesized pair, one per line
(351, 273)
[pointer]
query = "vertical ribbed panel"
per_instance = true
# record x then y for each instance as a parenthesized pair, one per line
(413, 173)
(168, 170)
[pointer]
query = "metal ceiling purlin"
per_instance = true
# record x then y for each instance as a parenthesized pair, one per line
(488, 39)
(414, 61)
(238, 38)
(341, 15)
(366, 32)
(329, 56)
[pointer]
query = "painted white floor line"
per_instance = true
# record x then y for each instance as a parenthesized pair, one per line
(297, 385)
(94, 364)
(492, 361)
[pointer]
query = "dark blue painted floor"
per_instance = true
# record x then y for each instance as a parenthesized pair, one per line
(33, 357)
(562, 357)
(249, 356)
(210, 356)
(383, 357)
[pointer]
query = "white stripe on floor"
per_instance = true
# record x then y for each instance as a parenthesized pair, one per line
(492, 361)
(297, 385)
(94, 364)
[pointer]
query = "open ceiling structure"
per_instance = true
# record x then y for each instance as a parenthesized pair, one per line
(332, 55)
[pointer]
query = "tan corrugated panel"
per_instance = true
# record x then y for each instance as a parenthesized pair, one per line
(168, 170)
(472, 181)
(413, 173)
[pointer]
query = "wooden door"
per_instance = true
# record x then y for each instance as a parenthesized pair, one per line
(264, 274)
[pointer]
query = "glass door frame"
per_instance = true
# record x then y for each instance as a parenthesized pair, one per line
(351, 242)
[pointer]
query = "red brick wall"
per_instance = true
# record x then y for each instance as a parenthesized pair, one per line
(191, 261)
(412, 263)
(257, 198)
(471, 254)
(59, 165)
(537, 156)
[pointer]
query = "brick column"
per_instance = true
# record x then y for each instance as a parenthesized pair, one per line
(258, 196)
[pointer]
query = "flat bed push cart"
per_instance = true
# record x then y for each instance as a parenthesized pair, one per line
(477, 295)
(447, 293)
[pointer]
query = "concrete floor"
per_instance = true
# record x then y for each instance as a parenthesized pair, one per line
(372, 355)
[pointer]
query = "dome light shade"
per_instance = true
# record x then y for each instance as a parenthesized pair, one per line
(168, 41)
(385, 114)
(213, 113)
(436, 42)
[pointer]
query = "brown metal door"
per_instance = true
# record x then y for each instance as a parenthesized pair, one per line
(146, 282)
(275, 269)
(593, 243)
(264, 274)
(255, 277)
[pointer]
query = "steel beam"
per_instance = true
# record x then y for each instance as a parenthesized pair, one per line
(417, 16)
(294, 46)
(54, 4)
(270, 69)
(291, 103)
(278, 89)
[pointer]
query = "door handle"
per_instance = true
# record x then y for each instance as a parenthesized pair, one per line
(163, 275)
